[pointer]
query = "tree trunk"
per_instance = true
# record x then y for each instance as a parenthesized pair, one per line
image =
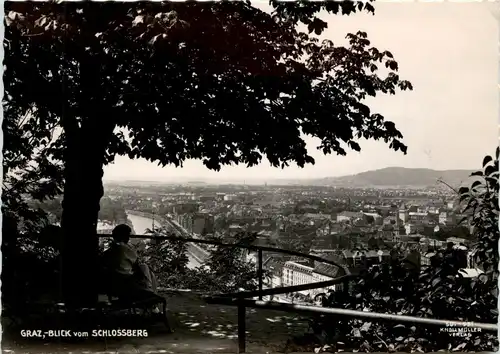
(82, 194)
(86, 141)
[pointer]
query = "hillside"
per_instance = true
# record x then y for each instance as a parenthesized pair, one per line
(398, 176)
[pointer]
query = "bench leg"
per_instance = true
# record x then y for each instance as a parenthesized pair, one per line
(241, 329)
(164, 314)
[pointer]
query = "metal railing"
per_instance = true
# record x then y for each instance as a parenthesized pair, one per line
(241, 299)
(242, 304)
(259, 249)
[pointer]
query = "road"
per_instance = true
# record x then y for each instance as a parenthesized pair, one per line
(141, 223)
(195, 251)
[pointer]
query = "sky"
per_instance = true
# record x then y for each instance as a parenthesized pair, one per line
(448, 51)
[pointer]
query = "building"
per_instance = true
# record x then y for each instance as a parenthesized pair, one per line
(425, 259)
(324, 272)
(202, 223)
(307, 272)
(230, 197)
(457, 240)
(431, 242)
(185, 208)
(417, 216)
(105, 228)
(377, 219)
(349, 216)
(197, 223)
(298, 273)
(446, 218)
(404, 215)
(274, 265)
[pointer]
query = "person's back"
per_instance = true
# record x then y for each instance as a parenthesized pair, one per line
(120, 258)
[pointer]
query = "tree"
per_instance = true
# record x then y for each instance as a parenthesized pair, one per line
(168, 261)
(31, 172)
(227, 269)
(169, 82)
(481, 203)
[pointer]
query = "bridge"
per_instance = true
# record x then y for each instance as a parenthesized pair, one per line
(195, 252)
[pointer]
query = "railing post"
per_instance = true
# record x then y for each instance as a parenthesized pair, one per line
(259, 270)
(241, 329)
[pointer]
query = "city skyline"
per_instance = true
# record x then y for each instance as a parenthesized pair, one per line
(449, 121)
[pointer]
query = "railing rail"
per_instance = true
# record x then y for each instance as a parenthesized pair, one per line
(374, 316)
(238, 245)
(242, 304)
(241, 301)
(259, 249)
(288, 289)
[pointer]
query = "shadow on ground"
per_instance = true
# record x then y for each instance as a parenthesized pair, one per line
(199, 328)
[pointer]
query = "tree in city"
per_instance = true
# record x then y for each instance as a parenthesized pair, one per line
(168, 260)
(225, 83)
(227, 269)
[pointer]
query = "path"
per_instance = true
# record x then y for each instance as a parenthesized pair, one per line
(200, 329)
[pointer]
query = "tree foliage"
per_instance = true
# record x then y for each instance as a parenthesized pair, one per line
(225, 83)
(30, 264)
(168, 260)
(439, 291)
(182, 82)
(226, 270)
(30, 171)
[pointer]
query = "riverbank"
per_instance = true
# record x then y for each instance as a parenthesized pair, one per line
(106, 227)
(143, 224)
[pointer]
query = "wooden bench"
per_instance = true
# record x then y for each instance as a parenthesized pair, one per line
(51, 313)
(110, 305)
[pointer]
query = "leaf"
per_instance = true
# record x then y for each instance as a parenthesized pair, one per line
(477, 173)
(436, 282)
(356, 333)
(393, 65)
(317, 26)
(475, 184)
(487, 160)
(459, 347)
(490, 170)
(355, 146)
(137, 20)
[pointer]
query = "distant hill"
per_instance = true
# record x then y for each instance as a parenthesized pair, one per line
(397, 176)
(385, 177)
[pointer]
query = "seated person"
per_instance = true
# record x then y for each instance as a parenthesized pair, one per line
(126, 275)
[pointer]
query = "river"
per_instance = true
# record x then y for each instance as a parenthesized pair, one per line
(142, 224)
